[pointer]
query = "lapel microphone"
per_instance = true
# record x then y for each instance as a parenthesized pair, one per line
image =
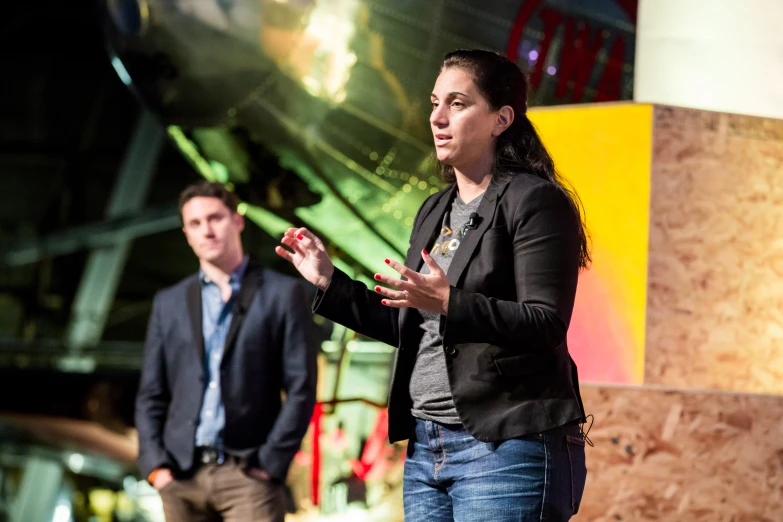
(473, 220)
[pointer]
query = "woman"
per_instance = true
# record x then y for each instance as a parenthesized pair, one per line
(484, 386)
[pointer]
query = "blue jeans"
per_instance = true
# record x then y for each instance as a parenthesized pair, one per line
(450, 476)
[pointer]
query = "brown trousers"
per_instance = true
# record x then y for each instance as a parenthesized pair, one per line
(223, 493)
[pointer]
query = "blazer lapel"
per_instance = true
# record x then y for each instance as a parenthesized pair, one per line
(429, 229)
(247, 290)
(194, 313)
(486, 211)
(422, 238)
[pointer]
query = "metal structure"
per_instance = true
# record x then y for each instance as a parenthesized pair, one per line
(314, 111)
(338, 91)
(105, 265)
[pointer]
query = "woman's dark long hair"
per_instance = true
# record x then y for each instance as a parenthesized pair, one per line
(519, 149)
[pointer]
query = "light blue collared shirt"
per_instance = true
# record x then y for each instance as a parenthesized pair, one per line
(215, 320)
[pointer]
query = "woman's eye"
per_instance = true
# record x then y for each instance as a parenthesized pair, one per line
(458, 105)
(434, 105)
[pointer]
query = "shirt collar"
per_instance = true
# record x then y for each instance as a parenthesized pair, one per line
(234, 278)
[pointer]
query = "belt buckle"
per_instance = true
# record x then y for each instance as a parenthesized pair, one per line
(212, 456)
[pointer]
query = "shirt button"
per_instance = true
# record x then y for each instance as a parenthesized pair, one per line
(213, 384)
(450, 350)
(209, 414)
(216, 356)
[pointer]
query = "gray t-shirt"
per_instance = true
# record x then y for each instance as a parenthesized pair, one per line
(429, 386)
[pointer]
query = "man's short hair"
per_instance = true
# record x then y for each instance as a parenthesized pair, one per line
(208, 189)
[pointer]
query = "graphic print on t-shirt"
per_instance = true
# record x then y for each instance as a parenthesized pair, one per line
(448, 241)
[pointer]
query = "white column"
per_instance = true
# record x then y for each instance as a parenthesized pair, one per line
(718, 55)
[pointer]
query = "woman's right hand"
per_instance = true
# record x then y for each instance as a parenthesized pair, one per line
(309, 256)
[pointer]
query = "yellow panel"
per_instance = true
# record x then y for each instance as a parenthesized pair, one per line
(604, 151)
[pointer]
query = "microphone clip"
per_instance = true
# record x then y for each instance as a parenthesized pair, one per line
(473, 221)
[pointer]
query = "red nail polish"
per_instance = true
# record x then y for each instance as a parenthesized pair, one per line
(383, 301)
(378, 277)
(300, 237)
(425, 252)
(386, 261)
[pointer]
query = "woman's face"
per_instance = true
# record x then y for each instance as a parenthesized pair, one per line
(463, 126)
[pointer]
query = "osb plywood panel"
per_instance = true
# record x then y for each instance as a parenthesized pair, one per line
(715, 295)
(683, 456)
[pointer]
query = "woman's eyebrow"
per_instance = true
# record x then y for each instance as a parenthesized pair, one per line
(452, 94)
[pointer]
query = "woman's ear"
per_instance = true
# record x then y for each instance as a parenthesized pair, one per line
(505, 117)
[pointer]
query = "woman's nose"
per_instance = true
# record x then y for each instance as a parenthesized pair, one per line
(438, 116)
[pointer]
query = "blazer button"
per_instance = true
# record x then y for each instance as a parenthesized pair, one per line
(450, 350)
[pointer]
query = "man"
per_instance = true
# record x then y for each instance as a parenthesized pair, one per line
(215, 438)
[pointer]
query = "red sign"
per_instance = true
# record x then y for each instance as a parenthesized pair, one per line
(579, 54)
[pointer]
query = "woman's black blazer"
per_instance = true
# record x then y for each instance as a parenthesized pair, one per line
(513, 281)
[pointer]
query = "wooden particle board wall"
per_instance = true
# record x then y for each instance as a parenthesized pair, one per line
(683, 456)
(715, 274)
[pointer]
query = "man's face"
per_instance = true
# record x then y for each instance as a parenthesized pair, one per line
(212, 230)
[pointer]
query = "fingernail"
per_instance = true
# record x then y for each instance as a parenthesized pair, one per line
(425, 252)
(377, 277)
(300, 237)
(383, 301)
(377, 288)
(386, 261)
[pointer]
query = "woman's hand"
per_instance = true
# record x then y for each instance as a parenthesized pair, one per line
(309, 256)
(428, 292)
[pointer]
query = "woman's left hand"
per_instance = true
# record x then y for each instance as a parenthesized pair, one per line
(427, 292)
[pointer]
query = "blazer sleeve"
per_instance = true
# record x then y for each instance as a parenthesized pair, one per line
(300, 351)
(152, 400)
(546, 249)
(353, 305)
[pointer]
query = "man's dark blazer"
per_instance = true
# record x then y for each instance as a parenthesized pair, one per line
(270, 347)
(513, 282)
